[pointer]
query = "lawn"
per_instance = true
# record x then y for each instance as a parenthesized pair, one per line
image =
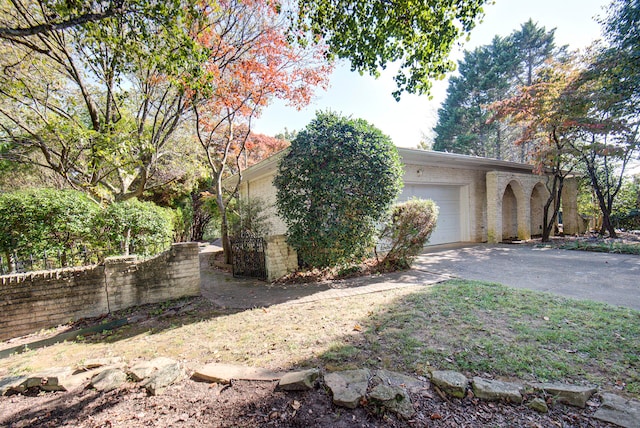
(475, 327)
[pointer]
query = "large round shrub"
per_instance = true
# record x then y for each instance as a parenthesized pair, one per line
(333, 186)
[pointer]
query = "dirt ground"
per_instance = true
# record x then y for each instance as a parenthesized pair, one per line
(259, 404)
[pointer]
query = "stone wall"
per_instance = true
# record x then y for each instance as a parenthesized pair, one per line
(37, 300)
(280, 257)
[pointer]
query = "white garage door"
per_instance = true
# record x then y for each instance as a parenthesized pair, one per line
(448, 227)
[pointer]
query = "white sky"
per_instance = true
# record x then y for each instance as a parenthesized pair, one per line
(406, 121)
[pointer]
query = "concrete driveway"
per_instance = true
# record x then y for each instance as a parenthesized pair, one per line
(610, 278)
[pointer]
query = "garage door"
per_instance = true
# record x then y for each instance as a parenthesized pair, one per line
(448, 227)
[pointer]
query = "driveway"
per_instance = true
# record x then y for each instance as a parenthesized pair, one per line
(610, 278)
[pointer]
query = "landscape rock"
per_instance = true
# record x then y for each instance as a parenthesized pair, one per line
(95, 363)
(11, 384)
(619, 411)
(348, 387)
(495, 390)
(393, 398)
(299, 381)
(573, 395)
(411, 384)
(168, 373)
(109, 379)
(47, 380)
(451, 382)
(539, 405)
(143, 369)
(223, 373)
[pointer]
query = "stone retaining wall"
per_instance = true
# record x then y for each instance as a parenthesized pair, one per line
(37, 300)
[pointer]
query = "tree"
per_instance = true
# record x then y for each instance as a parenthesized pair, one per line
(489, 74)
(373, 33)
(251, 60)
(334, 185)
(99, 103)
(547, 113)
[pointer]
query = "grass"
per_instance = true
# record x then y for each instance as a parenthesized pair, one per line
(603, 247)
(475, 327)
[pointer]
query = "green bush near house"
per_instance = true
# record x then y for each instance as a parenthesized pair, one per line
(334, 185)
(407, 231)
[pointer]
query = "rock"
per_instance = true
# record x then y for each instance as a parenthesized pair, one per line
(95, 363)
(223, 373)
(108, 379)
(299, 381)
(411, 384)
(348, 387)
(539, 405)
(144, 369)
(451, 382)
(619, 411)
(167, 374)
(47, 380)
(573, 395)
(494, 390)
(11, 384)
(394, 398)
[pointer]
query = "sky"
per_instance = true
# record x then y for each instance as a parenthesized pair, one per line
(408, 121)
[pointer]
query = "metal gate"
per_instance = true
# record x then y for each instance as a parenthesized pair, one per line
(247, 256)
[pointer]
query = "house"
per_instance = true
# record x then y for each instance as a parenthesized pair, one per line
(480, 199)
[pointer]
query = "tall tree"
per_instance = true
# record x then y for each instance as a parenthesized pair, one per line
(251, 60)
(97, 103)
(489, 74)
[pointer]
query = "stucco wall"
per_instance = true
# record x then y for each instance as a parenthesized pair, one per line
(264, 189)
(37, 300)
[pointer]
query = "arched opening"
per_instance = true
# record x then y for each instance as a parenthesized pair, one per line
(539, 197)
(509, 214)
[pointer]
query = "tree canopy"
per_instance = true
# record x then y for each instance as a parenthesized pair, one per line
(486, 75)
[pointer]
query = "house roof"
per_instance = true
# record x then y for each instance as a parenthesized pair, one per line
(409, 156)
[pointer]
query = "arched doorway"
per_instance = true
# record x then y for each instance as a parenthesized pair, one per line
(509, 214)
(539, 196)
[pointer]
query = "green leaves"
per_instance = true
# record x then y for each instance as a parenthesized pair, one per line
(334, 185)
(419, 34)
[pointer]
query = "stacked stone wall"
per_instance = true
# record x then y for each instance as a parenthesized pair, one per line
(280, 257)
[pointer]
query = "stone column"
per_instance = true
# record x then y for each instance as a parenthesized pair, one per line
(494, 208)
(280, 257)
(570, 217)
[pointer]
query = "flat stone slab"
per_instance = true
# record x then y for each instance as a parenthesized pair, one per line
(451, 382)
(619, 411)
(143, 369)
(224, 373)
(411, 384)
(47, 380)
(573, 395)
(495, 390)
(109, 379)
(299, 381)
(348, 387)
(394, 398)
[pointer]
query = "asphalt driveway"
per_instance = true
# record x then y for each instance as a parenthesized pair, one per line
(610, 278)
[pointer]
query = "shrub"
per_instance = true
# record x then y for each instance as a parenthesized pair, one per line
(334, 185)
(408, 230)
(45, 220)
(143, 226)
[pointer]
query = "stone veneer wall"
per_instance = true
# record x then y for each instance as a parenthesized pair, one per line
(280, 257)
(37, 300)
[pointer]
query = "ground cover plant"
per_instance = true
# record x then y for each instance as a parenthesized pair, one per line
(475, 327)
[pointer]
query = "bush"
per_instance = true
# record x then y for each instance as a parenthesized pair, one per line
(334, 185)
(45, 220)
(407, 231)
(142, 226)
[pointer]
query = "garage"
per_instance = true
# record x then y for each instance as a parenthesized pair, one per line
(449, 226)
